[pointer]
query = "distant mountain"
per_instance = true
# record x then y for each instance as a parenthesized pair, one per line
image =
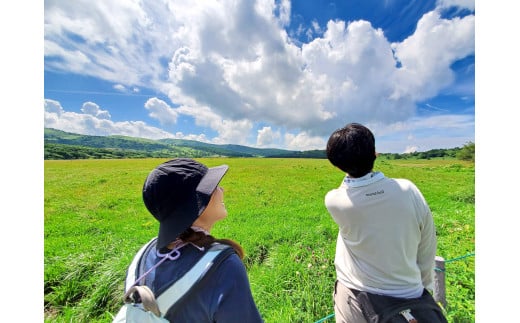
(228, 150)
(65, 145)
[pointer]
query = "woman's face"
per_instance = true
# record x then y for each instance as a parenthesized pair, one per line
(215, 210)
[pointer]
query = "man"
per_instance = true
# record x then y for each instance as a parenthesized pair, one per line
(386, 243)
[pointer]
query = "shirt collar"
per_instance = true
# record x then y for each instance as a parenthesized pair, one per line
(369, 178)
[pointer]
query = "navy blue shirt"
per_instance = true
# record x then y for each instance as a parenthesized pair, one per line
(223, 295)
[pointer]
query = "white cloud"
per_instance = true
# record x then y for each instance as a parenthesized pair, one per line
(410, 149)
(228, 130)
(52, 106)
(161, 111)
(285, 12)
(232, 65)
(91, 124)
(200, 137)
(119, 41)
(348, 74)
(120, 87)
(266, 137)
(303, 141)
(94, 110)
(233, 131)
(426, 56)
(424, 133)
(466, 4)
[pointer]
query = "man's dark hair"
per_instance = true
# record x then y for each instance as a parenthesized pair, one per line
(352, 149)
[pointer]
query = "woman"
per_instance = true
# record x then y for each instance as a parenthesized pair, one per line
(184, 196)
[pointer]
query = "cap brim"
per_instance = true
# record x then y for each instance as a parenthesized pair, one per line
(209, 182)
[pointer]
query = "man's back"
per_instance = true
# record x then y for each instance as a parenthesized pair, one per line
(386, 242)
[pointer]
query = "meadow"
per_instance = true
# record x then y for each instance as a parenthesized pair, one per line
(95, 221)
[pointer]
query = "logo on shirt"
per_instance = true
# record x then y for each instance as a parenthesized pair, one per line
(375, 193)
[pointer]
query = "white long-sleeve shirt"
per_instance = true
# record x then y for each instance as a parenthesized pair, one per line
(386, 241)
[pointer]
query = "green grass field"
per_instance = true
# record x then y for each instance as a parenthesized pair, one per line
(95, 221)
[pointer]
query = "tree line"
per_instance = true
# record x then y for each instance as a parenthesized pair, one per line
(467, 152)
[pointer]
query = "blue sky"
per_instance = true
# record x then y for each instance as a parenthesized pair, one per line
(281, 74)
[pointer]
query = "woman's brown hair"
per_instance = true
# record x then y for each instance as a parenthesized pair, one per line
(202, 240)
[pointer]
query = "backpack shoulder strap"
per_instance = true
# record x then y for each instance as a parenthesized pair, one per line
(131, 273)
(181, 287)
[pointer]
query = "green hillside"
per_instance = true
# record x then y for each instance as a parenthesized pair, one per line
(64, 145)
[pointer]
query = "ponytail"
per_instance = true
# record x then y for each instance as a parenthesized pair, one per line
(205, 240)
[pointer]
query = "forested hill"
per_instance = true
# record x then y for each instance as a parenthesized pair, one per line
(66, 145)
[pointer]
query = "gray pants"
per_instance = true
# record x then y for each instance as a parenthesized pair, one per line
(346, 306)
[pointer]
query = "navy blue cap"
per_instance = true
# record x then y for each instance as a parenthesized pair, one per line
(177, 192)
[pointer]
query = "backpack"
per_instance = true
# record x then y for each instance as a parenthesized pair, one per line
(140, 303)
(147, 311)
(387, 309)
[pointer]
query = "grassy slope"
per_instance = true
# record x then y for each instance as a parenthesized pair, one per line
(95, 221)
